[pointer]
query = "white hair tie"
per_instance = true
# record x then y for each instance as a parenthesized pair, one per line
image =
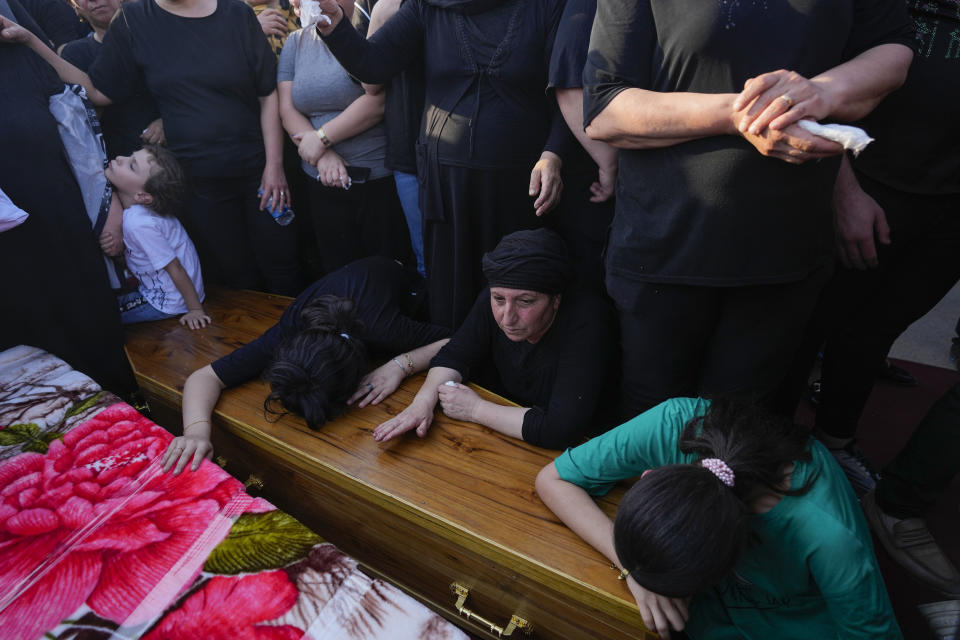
(719, 468)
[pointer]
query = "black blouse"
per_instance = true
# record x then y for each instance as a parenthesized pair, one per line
(714, 211)
(206, 75)
(565, 378)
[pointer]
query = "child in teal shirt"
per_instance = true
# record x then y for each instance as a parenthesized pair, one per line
(741, 526)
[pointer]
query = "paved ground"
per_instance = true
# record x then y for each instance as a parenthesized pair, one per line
(928, 339)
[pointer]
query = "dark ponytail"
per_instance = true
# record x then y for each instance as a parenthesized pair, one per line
(680, 529)
(316, 371)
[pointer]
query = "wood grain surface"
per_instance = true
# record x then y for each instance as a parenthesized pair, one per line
(464, 494)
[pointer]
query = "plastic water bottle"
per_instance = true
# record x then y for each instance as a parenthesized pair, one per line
(283, 217)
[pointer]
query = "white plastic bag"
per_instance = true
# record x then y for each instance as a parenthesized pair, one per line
(10, 214)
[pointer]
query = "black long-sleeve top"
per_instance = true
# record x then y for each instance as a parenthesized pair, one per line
(485, 76)
(386, 296)
(713, 211)
(564, 377)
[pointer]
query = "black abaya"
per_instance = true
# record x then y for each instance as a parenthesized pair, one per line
(54, 292)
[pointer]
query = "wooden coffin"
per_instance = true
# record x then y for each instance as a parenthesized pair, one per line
(455, 508)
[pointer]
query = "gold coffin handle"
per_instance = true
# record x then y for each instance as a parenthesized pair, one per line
(516, 622)
(253, 481)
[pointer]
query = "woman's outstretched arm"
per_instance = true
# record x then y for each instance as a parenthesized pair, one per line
(201, 392)
(574, 506)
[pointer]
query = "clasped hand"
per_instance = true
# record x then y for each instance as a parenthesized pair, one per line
(458, 401)
(768, 108)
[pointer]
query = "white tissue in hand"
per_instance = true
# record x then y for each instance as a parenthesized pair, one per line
(310, 14)
(852, 138)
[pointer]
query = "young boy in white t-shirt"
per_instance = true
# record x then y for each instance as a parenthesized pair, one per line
(159, 252)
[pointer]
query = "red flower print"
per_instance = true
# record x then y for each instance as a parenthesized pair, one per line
(230, 608)
(95, 521)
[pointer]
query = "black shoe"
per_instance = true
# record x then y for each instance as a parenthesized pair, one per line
(896, 375)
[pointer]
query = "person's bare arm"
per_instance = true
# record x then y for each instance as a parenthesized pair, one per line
(195, 317)
(273, 183)
(460, 402)
(382, 11)
(293, 121)
(642, 119)
(859, 221)
(577, 510)
(385, 379)
(361, 114)
(201, 391)
(111, 239)
(12, 32)
(570, 102)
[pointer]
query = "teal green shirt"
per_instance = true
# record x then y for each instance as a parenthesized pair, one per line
(809, 571)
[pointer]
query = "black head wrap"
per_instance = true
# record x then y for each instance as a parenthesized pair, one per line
(534, 260)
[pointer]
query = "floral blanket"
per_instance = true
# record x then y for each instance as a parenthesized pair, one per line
(97, 542)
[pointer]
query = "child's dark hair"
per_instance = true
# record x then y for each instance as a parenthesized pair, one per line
(166, 182)
(680, 529)
(315, 372)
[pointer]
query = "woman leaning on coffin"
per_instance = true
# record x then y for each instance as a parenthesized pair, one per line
(531, 338)
(319, 357)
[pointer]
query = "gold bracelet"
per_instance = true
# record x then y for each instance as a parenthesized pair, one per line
(195, 422)
(323, 137)
(409, 362)
(623, 572)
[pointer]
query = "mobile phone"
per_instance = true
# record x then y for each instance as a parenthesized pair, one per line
(358, 175)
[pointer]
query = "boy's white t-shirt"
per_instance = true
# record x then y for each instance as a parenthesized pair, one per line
(153, 241)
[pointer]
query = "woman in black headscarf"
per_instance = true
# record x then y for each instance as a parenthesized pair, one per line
(551, 358)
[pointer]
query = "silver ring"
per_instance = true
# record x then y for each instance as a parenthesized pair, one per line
(370, 386)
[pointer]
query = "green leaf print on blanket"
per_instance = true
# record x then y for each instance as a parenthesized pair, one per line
(261, 541)
(29, 435)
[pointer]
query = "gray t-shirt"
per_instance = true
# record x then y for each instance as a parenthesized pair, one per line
(321, 90)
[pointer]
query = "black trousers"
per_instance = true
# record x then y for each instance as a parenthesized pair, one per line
(364, 220)
(240, 246)
(681, 340)
(862, 313)
(924, 468)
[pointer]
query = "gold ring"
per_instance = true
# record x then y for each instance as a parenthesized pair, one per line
(786, 98)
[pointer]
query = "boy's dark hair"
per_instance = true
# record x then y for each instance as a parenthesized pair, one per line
(166, 182)
(316, 371)
(679, 529)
